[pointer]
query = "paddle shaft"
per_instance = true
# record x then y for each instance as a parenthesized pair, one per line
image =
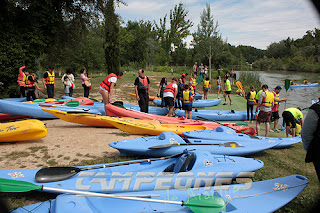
(95, 194)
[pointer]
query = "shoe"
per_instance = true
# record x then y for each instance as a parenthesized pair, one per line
(270, 130)
(276, 130)
(224, 104)
(231, 104)
(218, 97)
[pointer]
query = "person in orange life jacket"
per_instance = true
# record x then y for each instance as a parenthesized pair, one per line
(48, 81)
(31, 85)
(186, 97)
(265, 103)
(227, 90)
(169, 95)
(206, 88)
(21, 81)
(162, 86)
(178, 103)
(310, 135)
(183, 77)
(193, 81)
(250, 102)
(275, 108)
(141, 86)
(107, 85)
(218, 86)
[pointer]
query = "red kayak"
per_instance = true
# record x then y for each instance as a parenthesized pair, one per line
(5, 117)
(82, 101)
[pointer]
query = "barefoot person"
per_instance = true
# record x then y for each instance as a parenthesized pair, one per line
(107, 85)
(290, 117)
(275, 108)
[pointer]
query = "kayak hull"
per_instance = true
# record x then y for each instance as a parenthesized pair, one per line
(22, 130)
(303, 85)
(197, 103)
(262, 196)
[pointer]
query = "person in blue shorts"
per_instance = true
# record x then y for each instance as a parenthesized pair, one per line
(186, 98)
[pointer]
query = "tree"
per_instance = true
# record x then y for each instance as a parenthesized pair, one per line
(206, 40)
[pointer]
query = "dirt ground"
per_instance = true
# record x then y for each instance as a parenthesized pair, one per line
(65, 144)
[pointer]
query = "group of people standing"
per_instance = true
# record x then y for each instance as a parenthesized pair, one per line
(28, 83)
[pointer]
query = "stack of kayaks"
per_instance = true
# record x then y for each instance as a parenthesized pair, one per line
(262, 196)
(22, 130)
(196, 103)
(303, 85)
(216, 115)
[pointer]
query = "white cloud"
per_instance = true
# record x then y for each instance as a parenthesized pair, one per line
(256, 23)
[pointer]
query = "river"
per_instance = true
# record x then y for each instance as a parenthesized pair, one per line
(298, 97)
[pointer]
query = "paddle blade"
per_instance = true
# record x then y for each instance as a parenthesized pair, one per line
(72, 103)
(8, 185)
(52, 174)
(206, 204)
(287, 84)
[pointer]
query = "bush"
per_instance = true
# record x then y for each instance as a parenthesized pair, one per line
(250, 78)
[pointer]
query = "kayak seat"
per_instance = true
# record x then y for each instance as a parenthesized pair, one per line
(184, 163)
(219, 129)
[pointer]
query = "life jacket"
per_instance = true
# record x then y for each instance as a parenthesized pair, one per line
(258, 95)
(163, 87)
(206, 84)
(314, 146)
(50, 78)
(186, 96)
(218, 82)
(305, 81)
(277, 97)
(192, 91)
(143, 83)
(252, 96)
(228, 85)
(169, 88)
(291, 82)
(29, 83)
(21, 79)
(106, 83)
(194, 81)
(267, 101)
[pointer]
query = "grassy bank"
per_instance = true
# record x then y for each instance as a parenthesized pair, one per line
(277, 162)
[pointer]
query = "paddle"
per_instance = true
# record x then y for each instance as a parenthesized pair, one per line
(197, 204)
(39, 100)
(286, 86)
(52, 174)
(239, 85)
(226, 144)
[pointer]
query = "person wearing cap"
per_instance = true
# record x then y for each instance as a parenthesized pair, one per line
(290, 117)
(275, 108)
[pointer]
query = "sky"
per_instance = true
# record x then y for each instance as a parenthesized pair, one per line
(256, 23)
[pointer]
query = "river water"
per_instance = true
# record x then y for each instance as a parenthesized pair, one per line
(298, 97)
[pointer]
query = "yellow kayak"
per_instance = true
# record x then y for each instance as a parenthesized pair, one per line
(149, 127)
(22, 130)
(80, 118)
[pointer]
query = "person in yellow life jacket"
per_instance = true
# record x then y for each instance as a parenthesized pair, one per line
(275, 108)
(227, 90)
(107, 85)
(251, 95)
(186, 98)
(48, 81)
(292, 82)
(30, 85)
(21, 81)
(290, 115)
(265, 103)
(141, 87)
(193, 81)
(206, 88)
(305, 81)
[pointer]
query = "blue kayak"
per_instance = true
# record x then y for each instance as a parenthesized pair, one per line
(262, 196)
(147, 175)
(169, 143)
(216, 115)
(196, 103)
(304, 85)
(226, 134)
